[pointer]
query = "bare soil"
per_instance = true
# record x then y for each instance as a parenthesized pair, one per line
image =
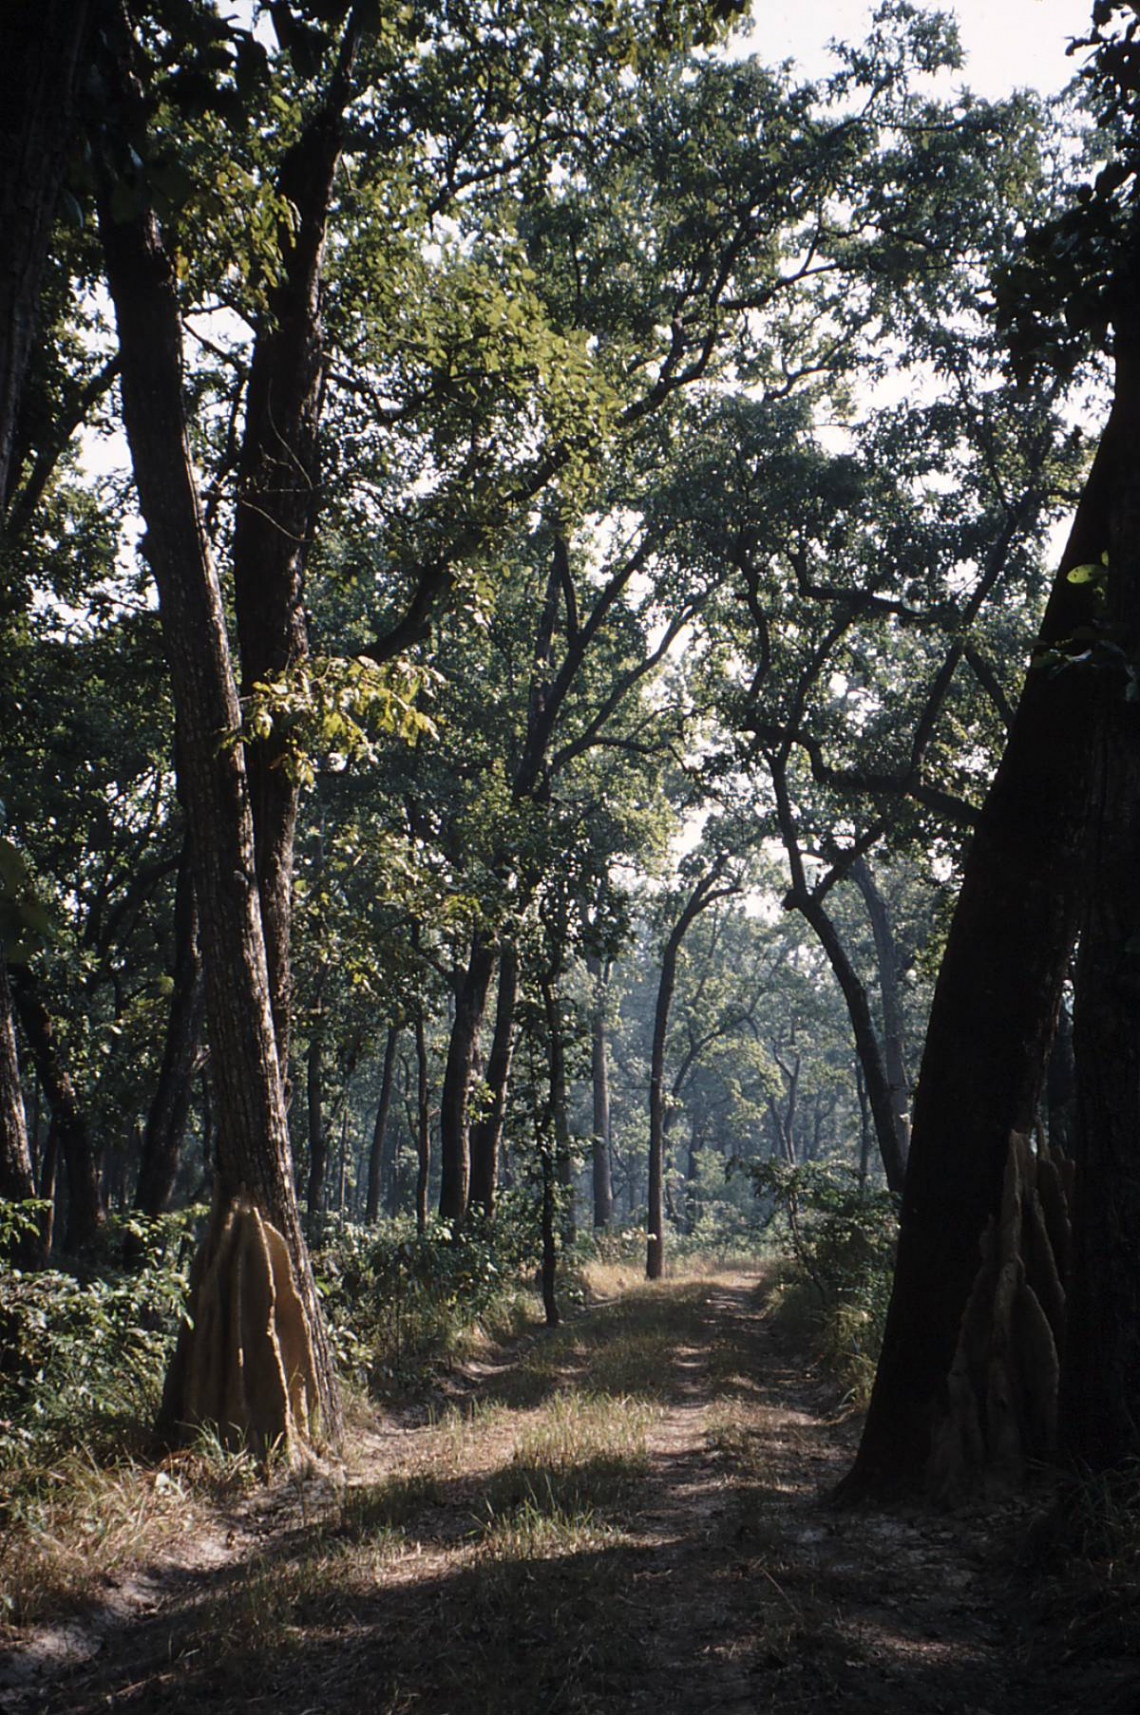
(707, 1572)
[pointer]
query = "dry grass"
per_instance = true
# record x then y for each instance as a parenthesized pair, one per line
(67, 1528)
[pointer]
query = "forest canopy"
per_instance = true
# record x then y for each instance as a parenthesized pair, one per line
(532, 633)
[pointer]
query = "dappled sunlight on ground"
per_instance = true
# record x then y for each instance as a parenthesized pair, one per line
(628, 1514)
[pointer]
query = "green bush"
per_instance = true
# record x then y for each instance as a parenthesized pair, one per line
(840, 1235)
(82, 1359)
(400, 1302)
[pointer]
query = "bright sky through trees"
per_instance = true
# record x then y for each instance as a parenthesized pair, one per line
(1008, 43)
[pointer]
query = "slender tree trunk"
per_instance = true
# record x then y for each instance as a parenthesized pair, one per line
(1061, 1086)
(599, 1067)
(181, 1058)
(559, 1112)
(808, 902)
(864, 1125)
(17, 1182)
(454, 1139)
(85, 1209)
(279, 490)
(994, 1009)
(423, 1127)
(894, 1029)
(703, 895)
(487, 1135)
(318, 1142)
(1100, 1388)
(47, 1188)
(293, 1387)
(380, 1130)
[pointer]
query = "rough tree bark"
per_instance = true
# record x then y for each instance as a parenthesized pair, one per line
(279, 497)
(256, 1359)
(1100, 1399)
(993, 1012)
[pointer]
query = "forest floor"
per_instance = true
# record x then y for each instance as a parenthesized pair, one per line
(630, 1513)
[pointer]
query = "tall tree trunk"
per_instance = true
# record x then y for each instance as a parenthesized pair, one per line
(42, 45)
(994, 1009)
(809, 902)
(707, 890)
(278, 500)
(181, 1058)
(318, 1142)
(17, 1182)
(1100, 1387)
(559, 1111)
(600, 1077)
(263, 1378)
(487, 1134)
(894, 1029)
(85, 1209)
(454, 1138)
(380, 1129)
(423, 1127)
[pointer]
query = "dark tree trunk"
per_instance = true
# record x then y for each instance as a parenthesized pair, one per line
(993, 1012)
(42, 46)
(182, 1056)
(454, 1139)
(894, 1029)
(809, 903)
(292, 1386)
(1100, 1388)
(599, 1066)
(318, 1142)
(549, 1236)
(487, 1134)
(1061, 1086)
(703, 895)
(278, 500)
(17, 1182)
(380, 1130)
(46, 1188)
(423, 1128)
(85, 1210)
(559, 1111)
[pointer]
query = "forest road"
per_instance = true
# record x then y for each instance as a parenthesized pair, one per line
(627, 1514)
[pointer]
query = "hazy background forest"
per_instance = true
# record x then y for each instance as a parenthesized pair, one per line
(524, 533)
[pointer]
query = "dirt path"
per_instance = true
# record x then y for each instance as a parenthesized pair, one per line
(628, 1515)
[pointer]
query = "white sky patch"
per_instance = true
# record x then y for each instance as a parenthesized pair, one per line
(1009, 44)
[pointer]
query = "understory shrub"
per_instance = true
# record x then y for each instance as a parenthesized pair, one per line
(400, 1302)
(840, 1236)
(82, 1357)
